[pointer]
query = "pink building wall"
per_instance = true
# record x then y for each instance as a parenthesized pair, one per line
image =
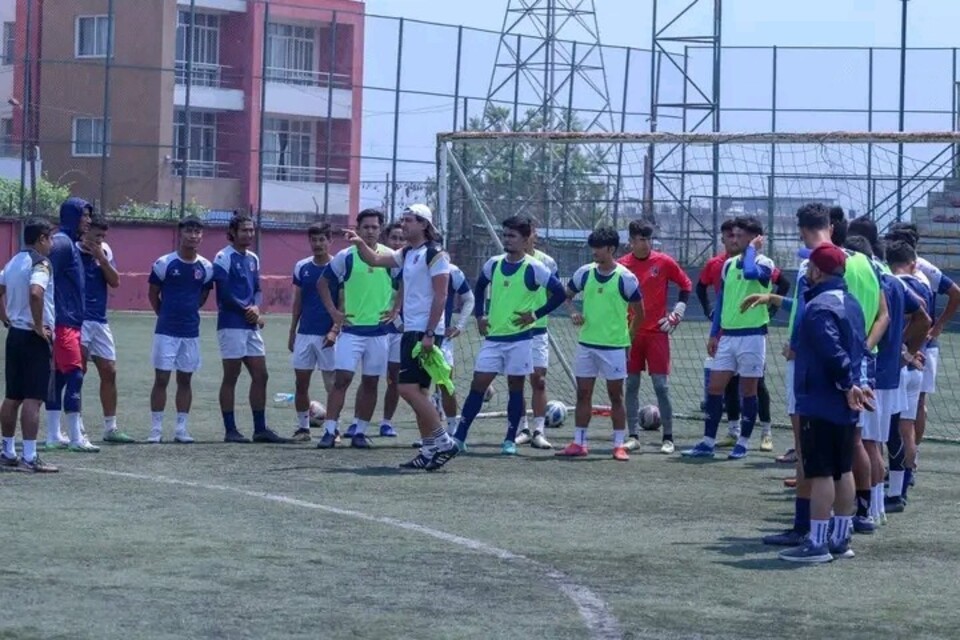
(137, 246)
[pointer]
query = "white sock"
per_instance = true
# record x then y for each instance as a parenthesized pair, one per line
(818, 531)
(109, 424)
(53, 426)
(896, 484)
(442, 441)
(303, 419)
(452, 423)
(618, 435)
(182, 421)
(524, 424)
(538, 424)
(580, 436)
(766, 428)
(330, 426)
(73, 424)
(733, 428)
(10, 447)
(743, 442)
(841, 529)
(156, 421)
(710, 442)
(878, 499)
(362, 426)
(29, 450)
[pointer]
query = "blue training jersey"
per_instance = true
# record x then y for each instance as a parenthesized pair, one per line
(182, 285)
(458, 285)
(68, 279)
(95, 285)
(314, 319)
(237, 276)
(899, 305)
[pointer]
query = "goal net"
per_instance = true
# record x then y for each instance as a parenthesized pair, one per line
(686, 185)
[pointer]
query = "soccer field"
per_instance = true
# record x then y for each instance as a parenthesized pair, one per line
(228, 541)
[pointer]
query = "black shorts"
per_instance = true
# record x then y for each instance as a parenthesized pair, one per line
(28, 366)
(826, 449)
(410, 370)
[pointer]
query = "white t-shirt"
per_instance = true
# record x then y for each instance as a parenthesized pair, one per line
(24, 270)
(419, 266)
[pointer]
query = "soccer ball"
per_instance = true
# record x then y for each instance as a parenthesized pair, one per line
(556, 414)
(650, 418)
(317, 413)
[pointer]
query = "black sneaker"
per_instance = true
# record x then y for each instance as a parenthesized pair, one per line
(9, 464)
(420, 462)
(789, 538)
(37, 466)
(894, 505)
(360, 441)
(270, 437)
(235, 437)
(441, 458)
(328, 441)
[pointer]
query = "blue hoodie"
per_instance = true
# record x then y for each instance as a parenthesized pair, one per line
(831, 344)
(68, 275)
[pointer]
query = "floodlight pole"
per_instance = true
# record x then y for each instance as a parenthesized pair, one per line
(903, 100)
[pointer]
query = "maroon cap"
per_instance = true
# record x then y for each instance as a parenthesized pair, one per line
(829, 258)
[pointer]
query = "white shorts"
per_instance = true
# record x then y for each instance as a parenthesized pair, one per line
(609, 364)
(447, 350)
(788, 377)
(370, 351)
(97, 339)
(911, 383)
(309, 353)
(540, 348)
(876, 423)
(929, 373)
(505, 358)
(744, 355)
(236, 344)
(176, 354)
(394, 341)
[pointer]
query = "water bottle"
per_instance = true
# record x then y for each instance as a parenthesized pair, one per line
(283, 400)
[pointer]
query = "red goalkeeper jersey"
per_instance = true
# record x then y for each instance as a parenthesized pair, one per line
(655, 273)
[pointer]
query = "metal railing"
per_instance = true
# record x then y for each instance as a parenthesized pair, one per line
(308, 78)
(286, 173)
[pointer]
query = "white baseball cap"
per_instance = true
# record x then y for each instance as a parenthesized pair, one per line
(423, 212)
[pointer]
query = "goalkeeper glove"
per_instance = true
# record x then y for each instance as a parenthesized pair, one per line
(669, 322)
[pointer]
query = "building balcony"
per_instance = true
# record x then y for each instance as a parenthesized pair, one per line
(307, 93)
(305, 189)
(236, 6)
(212, 86)
(200, 169)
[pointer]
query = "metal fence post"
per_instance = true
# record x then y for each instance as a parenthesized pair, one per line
(107, 64)
(396, 117)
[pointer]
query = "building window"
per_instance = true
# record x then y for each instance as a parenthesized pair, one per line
(7, 148)
(205, 45)
(195, 144)
(288, 151)
(9, 40)
(291, 54)
(89, 137)
(93, 36)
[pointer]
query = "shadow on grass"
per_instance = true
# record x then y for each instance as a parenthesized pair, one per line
(762, 564)
(748, 550)
(373, 472)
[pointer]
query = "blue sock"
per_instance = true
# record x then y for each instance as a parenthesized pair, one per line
(229, 422)
(714, 413)
(259, 421)
(471, 407)
(801, 514)
(74, 385)
(514, 413)
(706, 382)
(907, 477)
(748, 416)
(55, 402)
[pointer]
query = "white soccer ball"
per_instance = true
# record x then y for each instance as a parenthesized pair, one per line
(317, 411)
(556, 414)
(650, 418)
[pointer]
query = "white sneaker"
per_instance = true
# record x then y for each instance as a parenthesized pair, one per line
(539, 442)
(667, 447)
(156, 436)
(632, 443)
(183, 437)
(84, 446)
(523, 437)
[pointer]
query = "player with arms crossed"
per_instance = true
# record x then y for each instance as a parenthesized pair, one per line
(179, 285)
(26, 310)
(737, 342)
(367, 307)
(426, 275)
(236, 272)
(650, 350)
(312, 332)
(96, 339)
(611, 294)
(514, 279)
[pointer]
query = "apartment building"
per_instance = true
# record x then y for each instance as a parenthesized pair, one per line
(146, 114)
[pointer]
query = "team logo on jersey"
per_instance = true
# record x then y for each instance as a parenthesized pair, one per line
(655, 272)
(198, 274)
(599, 289)
(506, 283)
(175, 272)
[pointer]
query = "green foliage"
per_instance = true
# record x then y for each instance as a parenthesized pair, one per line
(155, 211)
(49, 197)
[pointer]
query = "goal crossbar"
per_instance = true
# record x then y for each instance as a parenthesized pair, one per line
(663, 137)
